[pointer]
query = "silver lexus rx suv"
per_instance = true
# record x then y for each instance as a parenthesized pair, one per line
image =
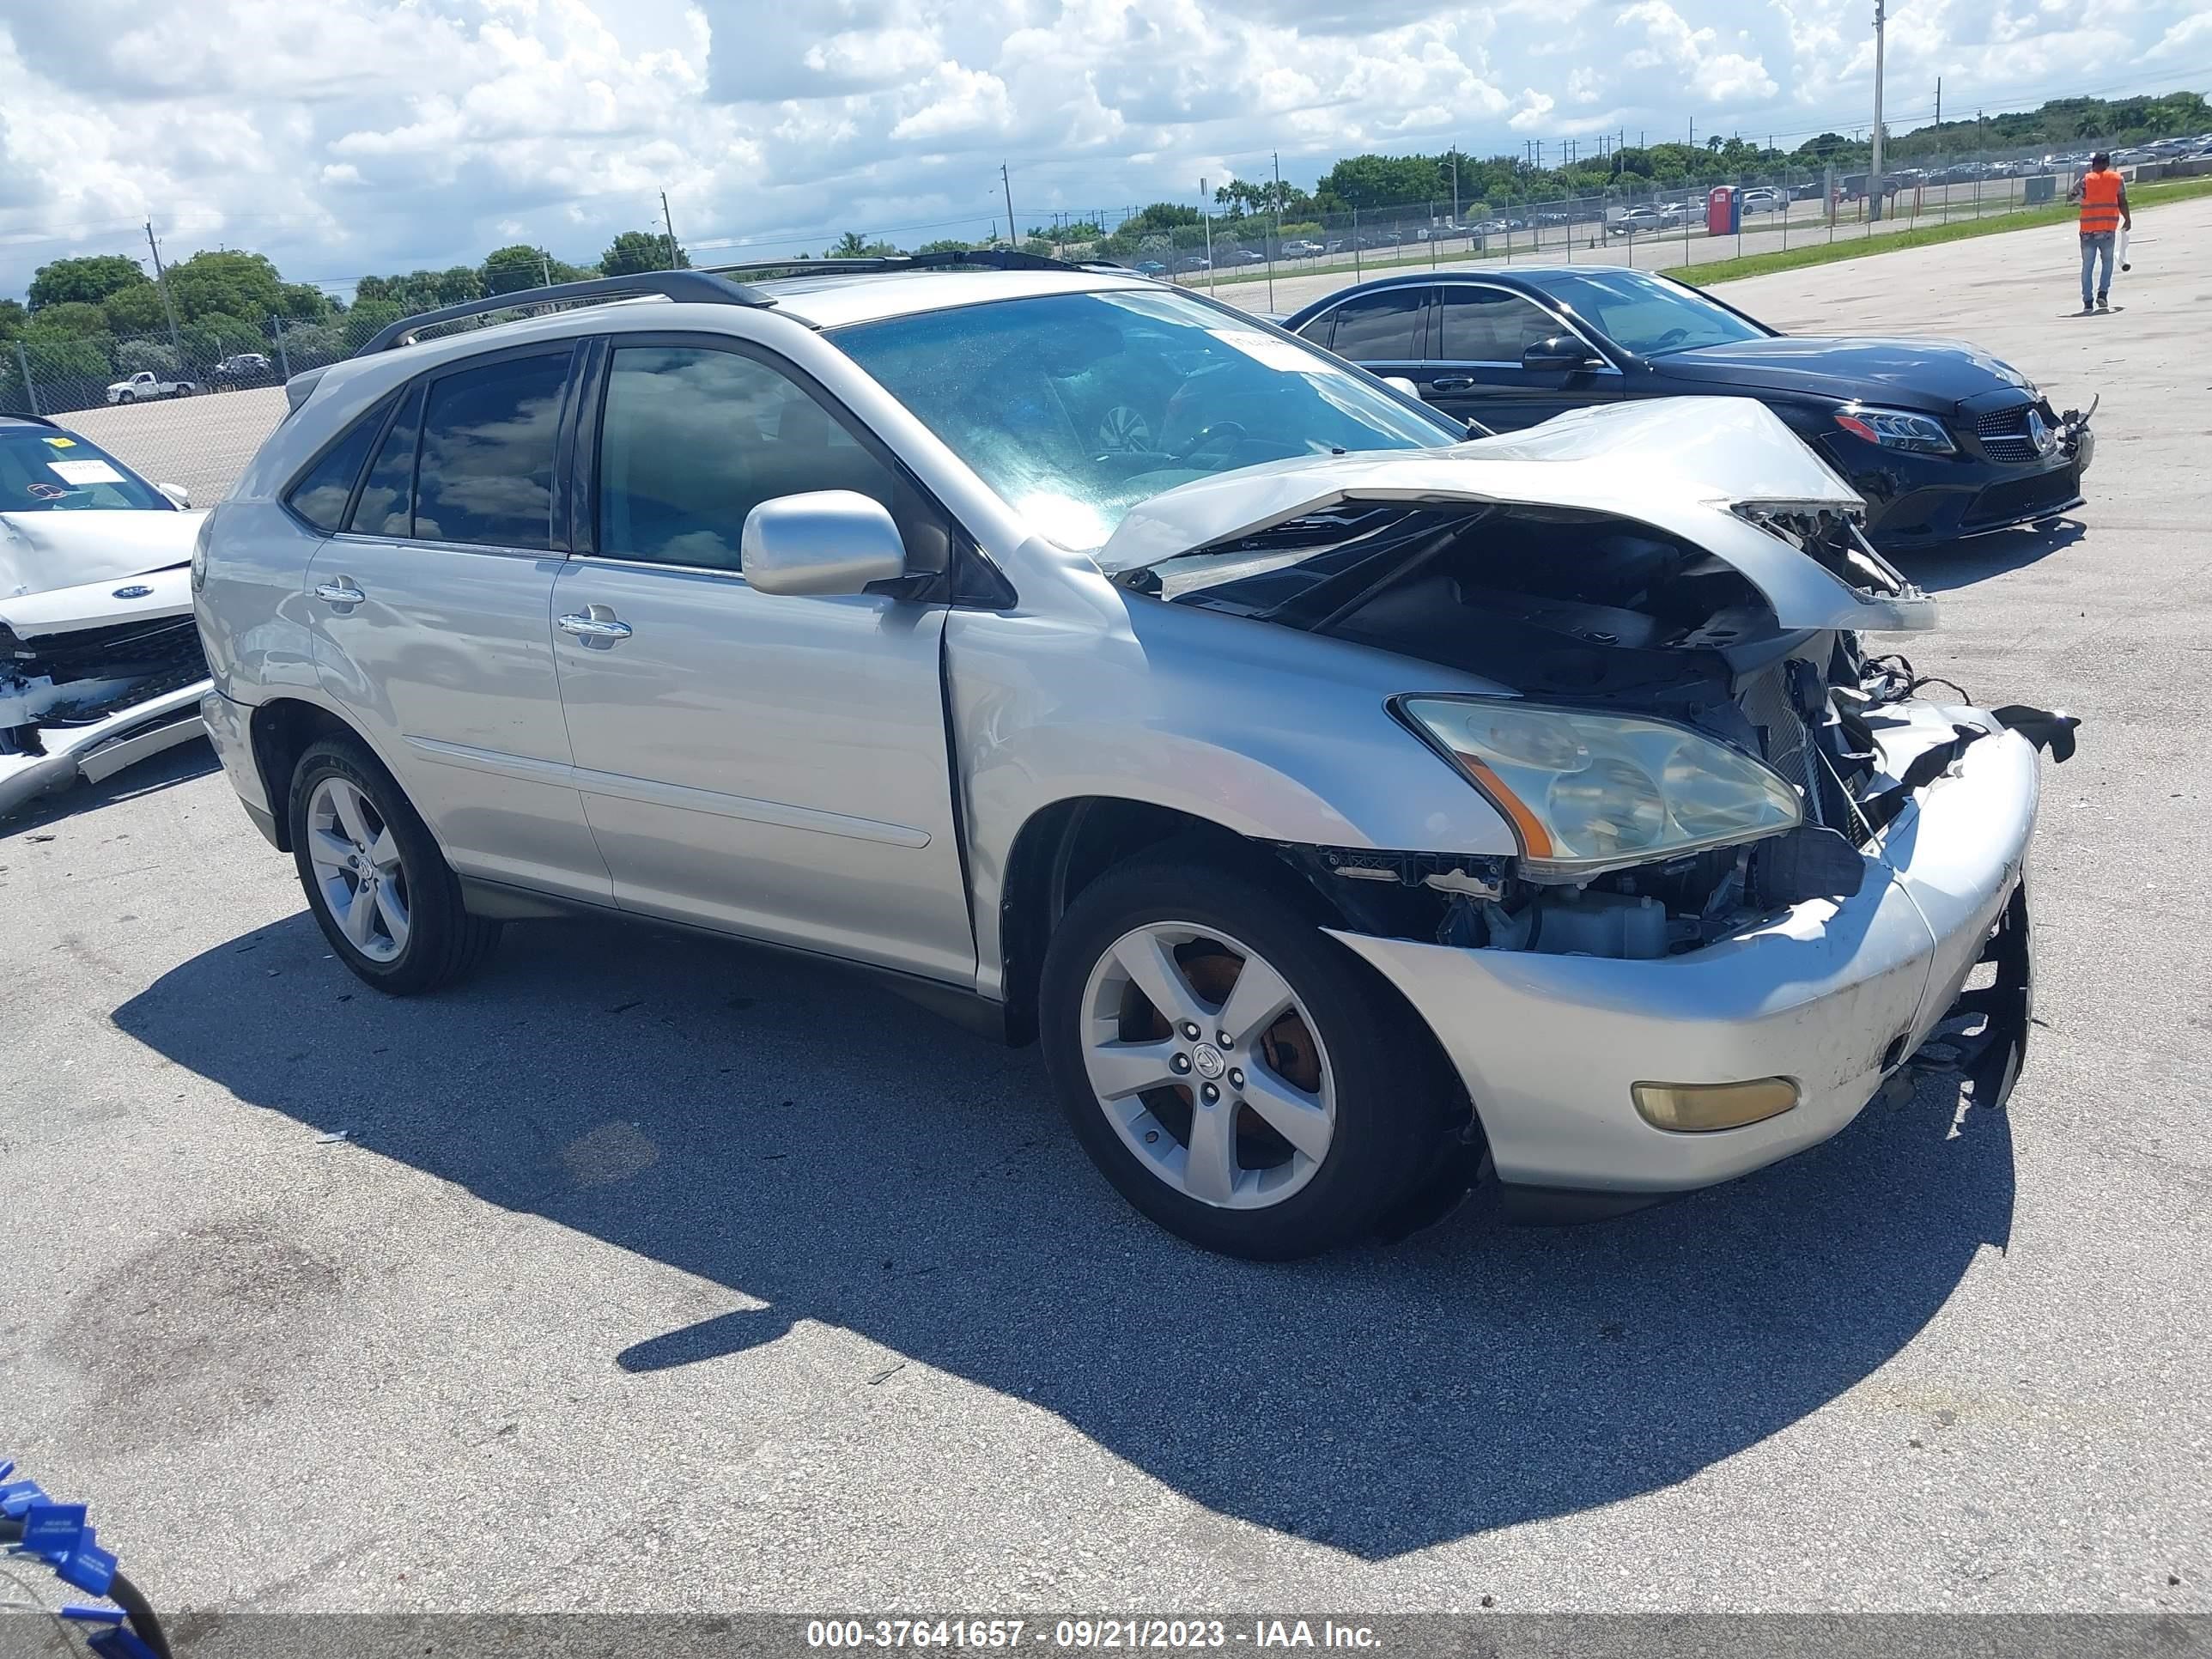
(1356, 813)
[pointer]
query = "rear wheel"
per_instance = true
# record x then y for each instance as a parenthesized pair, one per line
(380, 888)
(1238, 1075)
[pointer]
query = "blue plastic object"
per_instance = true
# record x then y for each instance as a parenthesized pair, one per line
(59, 1535)
(17, 1496)
(117, 1642)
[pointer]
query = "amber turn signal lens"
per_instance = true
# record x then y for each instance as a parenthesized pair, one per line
(1696, 1107)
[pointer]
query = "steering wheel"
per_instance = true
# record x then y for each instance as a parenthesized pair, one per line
(1669, 337)
(1216, 433)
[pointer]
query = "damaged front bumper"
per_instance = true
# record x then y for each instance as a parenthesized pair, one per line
(100, 748)
(1834, 996)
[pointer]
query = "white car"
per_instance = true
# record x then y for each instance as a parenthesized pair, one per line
(99, 661)
(145, 384)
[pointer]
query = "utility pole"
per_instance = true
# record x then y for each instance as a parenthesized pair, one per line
(1206, 212)
(544, 268)
(1873, 171)
(1275, 158)
(670, 223)
(1454, 167)
(1008, 185)
(161, 276)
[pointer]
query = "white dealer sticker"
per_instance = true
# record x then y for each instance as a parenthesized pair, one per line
(84, 473)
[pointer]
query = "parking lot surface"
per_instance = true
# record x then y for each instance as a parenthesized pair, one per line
(645, 1272)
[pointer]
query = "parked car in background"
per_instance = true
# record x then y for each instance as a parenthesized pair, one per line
(1149, 268)
(1351, 813)
(100, 661)
(1299, 248)
(243, 368)
(144, 384)
(1633, 220)
(1941, 438)
(1761, 198)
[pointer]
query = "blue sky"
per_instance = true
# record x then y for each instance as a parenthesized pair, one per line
(373, 135)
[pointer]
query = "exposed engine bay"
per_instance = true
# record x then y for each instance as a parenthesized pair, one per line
(1576, 608)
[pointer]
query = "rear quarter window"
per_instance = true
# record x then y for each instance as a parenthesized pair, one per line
(322, 491)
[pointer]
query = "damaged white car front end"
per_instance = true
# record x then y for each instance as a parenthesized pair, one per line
(100, 663)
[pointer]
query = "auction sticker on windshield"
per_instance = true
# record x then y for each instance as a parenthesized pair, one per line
(84, 473)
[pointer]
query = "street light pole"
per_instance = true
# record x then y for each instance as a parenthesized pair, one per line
(1008, 185)
(1873, 171)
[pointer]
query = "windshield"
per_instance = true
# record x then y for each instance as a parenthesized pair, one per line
(1075, 407)
(46, 471)
(1646, 314)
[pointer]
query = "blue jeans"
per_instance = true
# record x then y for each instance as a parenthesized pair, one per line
(2096, 245)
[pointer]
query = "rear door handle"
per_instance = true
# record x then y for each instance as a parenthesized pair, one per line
(341, 592)
(594, 626)
(1453, 383)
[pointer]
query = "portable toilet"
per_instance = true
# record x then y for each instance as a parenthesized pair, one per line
(1723, 211)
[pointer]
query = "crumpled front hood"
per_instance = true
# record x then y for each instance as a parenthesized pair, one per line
(43, 550)
(1680, 464)
(1934, 375)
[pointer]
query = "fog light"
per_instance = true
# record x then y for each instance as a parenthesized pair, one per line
(1693, 1108)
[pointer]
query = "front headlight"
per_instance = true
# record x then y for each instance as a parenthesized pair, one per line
(1895, 428)
(1589, 792)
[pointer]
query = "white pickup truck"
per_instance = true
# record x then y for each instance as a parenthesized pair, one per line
(145, 383)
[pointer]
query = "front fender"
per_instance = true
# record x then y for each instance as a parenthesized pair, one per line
(1269, 732)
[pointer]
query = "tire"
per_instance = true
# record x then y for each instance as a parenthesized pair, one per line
(1376, 1069)
(438, 942)
(126, 397)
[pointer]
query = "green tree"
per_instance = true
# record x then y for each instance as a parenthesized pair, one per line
(853, 246)
(85, 280)
(136, 310)
(943, 245)
(71, 319)
(639, 250)
(13, 319)
(222, 282)
(368, 317)
(302, 302)
(131, 356)
(509, 270)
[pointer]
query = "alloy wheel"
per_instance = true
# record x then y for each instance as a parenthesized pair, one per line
(358, 870)
(1208, 1066)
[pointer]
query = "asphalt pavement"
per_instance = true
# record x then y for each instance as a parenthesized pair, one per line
(645, 1272)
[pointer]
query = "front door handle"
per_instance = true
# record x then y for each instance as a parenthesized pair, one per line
(341, 592)
(595, 626)
(1453, 383)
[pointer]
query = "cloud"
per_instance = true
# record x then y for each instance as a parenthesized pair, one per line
(348, 136)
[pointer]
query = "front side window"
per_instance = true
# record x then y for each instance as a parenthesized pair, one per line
(387, 497)
(43, 469)
(1075, 407)
(489, 437)
(693, 439)
(321, 494)
(1489, 326)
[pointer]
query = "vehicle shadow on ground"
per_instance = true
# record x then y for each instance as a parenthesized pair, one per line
(800, 1136)
(1962, 564)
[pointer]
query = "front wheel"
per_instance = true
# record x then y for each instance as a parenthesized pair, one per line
(1238, 1076)
(379, 886)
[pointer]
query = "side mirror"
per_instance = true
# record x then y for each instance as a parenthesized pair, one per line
(826, 541)
(1400, 383)
(177, 493)
(1561, 354)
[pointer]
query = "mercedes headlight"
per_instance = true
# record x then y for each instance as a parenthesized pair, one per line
(1590, 791)
(1895, 428)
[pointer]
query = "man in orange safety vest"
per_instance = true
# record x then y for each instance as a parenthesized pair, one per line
(2103, 195)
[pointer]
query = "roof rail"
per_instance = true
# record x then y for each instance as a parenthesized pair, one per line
(973, 258)
(697, 286)
(26, 415)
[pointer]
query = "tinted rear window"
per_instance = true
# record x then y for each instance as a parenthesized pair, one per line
(321, 494)
(488, 441)
(386, 499)
(1381, 327)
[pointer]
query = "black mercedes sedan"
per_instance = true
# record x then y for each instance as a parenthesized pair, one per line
(1941, 438)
